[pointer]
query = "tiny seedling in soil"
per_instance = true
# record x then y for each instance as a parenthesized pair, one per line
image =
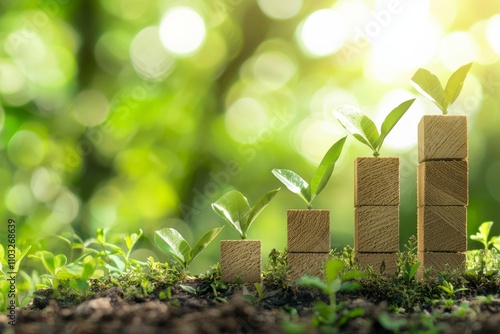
(483, 234)
(234, 208)
(333, 315)
(308, 192)
(172, 242)
(430, 87)
(363, 128)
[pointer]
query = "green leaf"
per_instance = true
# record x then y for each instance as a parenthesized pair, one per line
(455, 83)
(333, 269)
(170, 241)
(258, 207)
(234, 208)
(204, 241)
(483, 234)
(353, 274)
(391, 324)
(391, 120)
(358, 125)
(294, 183)
(413, 270)
(429, 86)
(89, 266)
(130, 240)
(20, 257)
(326, 166)
(313, 282)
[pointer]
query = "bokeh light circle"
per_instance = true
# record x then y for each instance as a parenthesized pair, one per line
(458, 48)
(26, 149)
(322, 33)
(182, 31)
(273, 69)
(493, 32)
(90, 107)
(280, 9)
(245, 120)
(148, 55)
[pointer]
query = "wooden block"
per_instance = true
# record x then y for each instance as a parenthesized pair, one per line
(442, 229)
(376, 229)
(384, 263)
(442, 137)
(308, 231)
(307, 264)
(438, 261)
(443, 183)
(240, 258)
(376, 181)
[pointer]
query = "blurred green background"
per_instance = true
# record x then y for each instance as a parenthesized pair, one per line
(131, 114)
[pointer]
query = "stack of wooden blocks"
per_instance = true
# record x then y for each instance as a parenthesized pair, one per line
(442, 192)
(308, 241)
(376, 217)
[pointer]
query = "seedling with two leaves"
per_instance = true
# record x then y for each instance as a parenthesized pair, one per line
(172, 242)
(236, 210)
(363, 128)
(429, 86)
(308, 192)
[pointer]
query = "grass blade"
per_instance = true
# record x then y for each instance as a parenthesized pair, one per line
(204, 241)
(358, 125)
(429, 86)
(259, 206)
(392, 119)
(234, 208)
(294, 183)
(326, 167)
(455, 83)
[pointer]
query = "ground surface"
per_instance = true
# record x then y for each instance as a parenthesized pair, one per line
(109, 311)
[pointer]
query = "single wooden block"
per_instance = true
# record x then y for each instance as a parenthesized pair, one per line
(442, 137)
(376, 181)
(376, 229)
(442, 229)
(384, 263)
(307, 264)
(308, 231)
(438, 262)
(240, 258)
(443, 183)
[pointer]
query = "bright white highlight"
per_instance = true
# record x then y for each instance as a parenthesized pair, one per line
(182, 31)
(493, 31)
(322, 33)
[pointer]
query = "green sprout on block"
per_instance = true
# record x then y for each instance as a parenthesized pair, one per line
(172, 242)
(363, 128)
(429, 86)
(234, 208)
(308, 192)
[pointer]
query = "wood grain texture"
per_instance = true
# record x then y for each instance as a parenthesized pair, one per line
(308, 231)
(442, 229)
(240, 258)
(438, 262)
(442, 137)
(376, 229)
(443, 183)
(307, 264)
(384, 263)
(376, 181)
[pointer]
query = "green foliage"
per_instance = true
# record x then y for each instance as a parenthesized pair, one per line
(172, 242)
(234, 208)
(297, 185)
(449, 289)
(5, 283)
(277, 271)
(363, 128)
(483, 236)
(407, 261)
(328, 316)
(429, 86)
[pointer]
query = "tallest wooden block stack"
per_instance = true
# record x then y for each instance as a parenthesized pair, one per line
(442, 191)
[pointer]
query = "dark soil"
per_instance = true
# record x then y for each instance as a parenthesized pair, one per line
(110, 312)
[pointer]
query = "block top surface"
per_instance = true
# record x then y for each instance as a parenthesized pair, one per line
(442, 137)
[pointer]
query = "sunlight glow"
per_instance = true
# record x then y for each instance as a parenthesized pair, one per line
(322, 33)
(493, 32)
(458, 48)
(280, 9)
(182, 31)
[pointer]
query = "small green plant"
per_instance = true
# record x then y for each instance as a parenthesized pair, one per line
(429, 86)
(483, 236)
(363, 128)
(234, 208)
(172, 242)
(8, 266)
(333, 315)
(308, 192)
(449, 290)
